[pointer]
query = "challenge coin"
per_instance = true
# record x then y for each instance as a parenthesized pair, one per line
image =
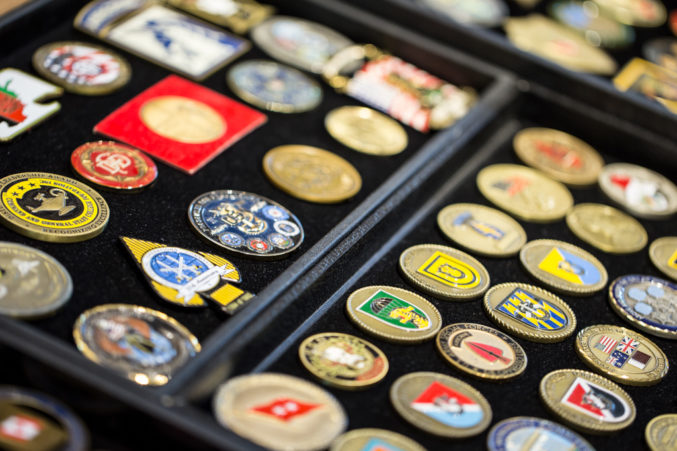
(366, 130)
(621, 354)
(483, 230)
(375, 440)
(485, 13)
(51, 207)
(115, 166)
(481, 351)
(606, 228)
(440, 404)
(640, 191)
(81, 67)
(663, 254)
(586, 401)
(143, 345)
(522, 433)
(444, 272)
(644, 13)
(598, 29)
(342, 360)
(661, 432)
(662, 51)
(311, 174)
(563, 267)
(562, 156)
(274, 87)
(32, 283)
(245, 223)
(648, 303)
(524, 192)
(393, 314)
(529, 312)
(279, 412)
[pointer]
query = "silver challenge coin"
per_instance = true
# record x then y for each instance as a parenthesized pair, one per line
(32, 283)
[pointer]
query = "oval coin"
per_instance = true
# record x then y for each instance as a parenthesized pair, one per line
(366, 130)
(520, 433)
(598, 29)
(644, 13)
(374, 439)
(485, 13)
(606, 228)
(660, 432)
(663, 254)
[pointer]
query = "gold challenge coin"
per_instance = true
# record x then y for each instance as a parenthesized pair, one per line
(366, 130)
(661, 432)
(663, 254)
(606, 228)
(376, 439)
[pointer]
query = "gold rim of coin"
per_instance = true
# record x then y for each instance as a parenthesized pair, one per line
(311, 174)
(393, 314)
(654, 434)
(481, 351)
(51, 207)
(280, 412)
(480, 229)
(529, 312)
(524, 192)
(356, 440)
(413, 396)
(366, 130)
(607, 228)
(562, 156)
(564, 267)
(603, 347)
(444, 272)
(572, 395)
(343, 360)
(663, 254)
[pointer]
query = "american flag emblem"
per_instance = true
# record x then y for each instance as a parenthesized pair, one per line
(606, 344)
(617, 359)
(627, 345)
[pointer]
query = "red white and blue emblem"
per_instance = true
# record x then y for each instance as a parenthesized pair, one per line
(448, 406)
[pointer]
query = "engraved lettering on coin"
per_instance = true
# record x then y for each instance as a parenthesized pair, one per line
(182, 119)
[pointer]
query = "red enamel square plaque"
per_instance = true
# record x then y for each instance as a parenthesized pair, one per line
(181, 123)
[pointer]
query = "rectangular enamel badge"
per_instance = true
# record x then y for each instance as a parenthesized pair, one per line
(181, 123)
(650, 79)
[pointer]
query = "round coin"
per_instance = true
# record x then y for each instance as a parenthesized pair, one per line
(81, 67)
(524, 192)
(480, 229)
(113, 165)
(342, 360)
(648, 303)
(311, 174)
(662, 51)
(522, 433)
(245, 223)
(562, 156)
(444, 272)
(32, 283)
(279, 412)
(440, 404)
(640, 191)
(485, 13)
(598, 29)
(563, 267)
(606, 228)
(621, 354)
(375, 440)
(481, 351)
(643, 13)
(141, 344)
(51, 207)
(393, 314)
(529, 312)
(274, 87)
(366, 130)
(663, 254)
(660, 432)
(586, 401)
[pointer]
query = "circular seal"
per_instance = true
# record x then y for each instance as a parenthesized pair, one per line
(51, 207)
(222, 217)
(374, 439)
(662, 51)
(660, 428)
(524, 192)
(529, 312)
(37, 421)
(648, 303)
(279, 412)
(342, 360)
(562, 156)
(606, 228)
(564, 267)
(644, 13)
(81, 67)
(32, 283)
(274, 87)
(663, 254)
(444, 272)
(441, 405)
(113, 165)
(481, 351)
(143, 345)
(516, 433)
(393, 314)
(311, 174)
(586, 401)
(485, 13)
(366, 130)
(621, 354)
(598, 29)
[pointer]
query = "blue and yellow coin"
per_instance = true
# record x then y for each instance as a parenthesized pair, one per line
(519, 433)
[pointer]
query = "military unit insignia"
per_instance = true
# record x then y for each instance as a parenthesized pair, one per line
(532, 311)
(595, 401)
(448, 406)
(394, 311)
(285, 409)
(523, 432)
(606, 228)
